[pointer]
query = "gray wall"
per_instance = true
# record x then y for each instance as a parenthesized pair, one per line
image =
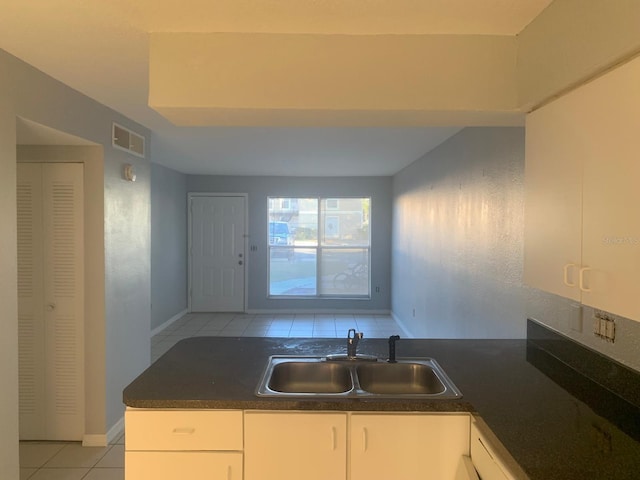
(168, 244)
(259, 188)
(457, 238)
(28, 93)
(8, 282)
(127, 219)
(458, 249)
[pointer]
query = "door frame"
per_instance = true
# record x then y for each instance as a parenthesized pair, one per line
(245, 196)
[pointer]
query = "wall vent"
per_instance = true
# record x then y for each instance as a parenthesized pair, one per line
(125, 139)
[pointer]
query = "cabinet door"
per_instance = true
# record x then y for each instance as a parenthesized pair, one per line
(292, 446)
(485, 459)
(611, 224)
(553, 199)
(183, 465)
(582, 238)
(407, 446)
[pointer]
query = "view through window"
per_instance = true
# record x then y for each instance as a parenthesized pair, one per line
(319, 247)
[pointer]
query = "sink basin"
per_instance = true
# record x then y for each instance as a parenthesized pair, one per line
(310, 377)
(318, 377)
(399, 378)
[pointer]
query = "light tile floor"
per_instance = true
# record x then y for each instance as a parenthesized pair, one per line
(72, 461)
(278, 325)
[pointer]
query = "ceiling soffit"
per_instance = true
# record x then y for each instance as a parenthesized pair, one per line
(203, 79)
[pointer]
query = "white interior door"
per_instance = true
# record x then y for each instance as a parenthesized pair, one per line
(51, 301)
(217, 253)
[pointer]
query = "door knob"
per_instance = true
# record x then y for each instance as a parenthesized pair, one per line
(240, 262)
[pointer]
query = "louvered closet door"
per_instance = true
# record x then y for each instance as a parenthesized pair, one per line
(51, 305)
(31, 346)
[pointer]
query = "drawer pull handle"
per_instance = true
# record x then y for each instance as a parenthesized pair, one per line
(184, 431)
(365, 440)
(334, 438)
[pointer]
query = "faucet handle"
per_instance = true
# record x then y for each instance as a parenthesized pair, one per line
(392, 348)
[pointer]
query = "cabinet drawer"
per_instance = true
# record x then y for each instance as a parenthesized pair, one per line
(183, 465)
(183, 430)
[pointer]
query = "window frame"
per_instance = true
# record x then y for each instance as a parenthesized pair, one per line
(320, 246)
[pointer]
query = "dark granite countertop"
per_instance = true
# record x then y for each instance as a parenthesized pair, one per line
(556, 423)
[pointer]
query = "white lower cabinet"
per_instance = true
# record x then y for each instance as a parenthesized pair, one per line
(407, 446)
(334, 446)
(295, 445)
(311, 445)
(183, 444)
(183, 465)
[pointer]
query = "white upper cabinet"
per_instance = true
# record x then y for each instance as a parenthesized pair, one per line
(553, 200)
(582, 228)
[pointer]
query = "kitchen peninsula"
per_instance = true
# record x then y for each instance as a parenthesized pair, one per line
(555, 422)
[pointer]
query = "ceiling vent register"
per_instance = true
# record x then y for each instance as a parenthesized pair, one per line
(125, 139)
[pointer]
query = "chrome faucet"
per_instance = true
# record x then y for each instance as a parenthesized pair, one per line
(353, 338)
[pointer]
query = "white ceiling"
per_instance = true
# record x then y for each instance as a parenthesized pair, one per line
(101, 49)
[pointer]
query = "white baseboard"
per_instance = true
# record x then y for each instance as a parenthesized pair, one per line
(160, 328)
(94, 440)
(115, 431)
(402, 326)
(102, 439)
(318, 311)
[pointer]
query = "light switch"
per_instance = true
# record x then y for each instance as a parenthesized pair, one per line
(611, 330)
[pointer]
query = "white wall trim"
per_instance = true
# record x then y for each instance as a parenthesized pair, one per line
(160, 328)
(402, 326)
(320, 311)
(94, 440)
(115, 431)
(101, 439)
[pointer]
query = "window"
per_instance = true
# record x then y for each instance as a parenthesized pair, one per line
(319, 247)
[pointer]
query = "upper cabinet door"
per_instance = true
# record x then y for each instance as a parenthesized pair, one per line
(611, 194)
(553, 200)
(582, 230)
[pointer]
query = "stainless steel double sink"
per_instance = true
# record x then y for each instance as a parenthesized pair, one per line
(304, 376)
